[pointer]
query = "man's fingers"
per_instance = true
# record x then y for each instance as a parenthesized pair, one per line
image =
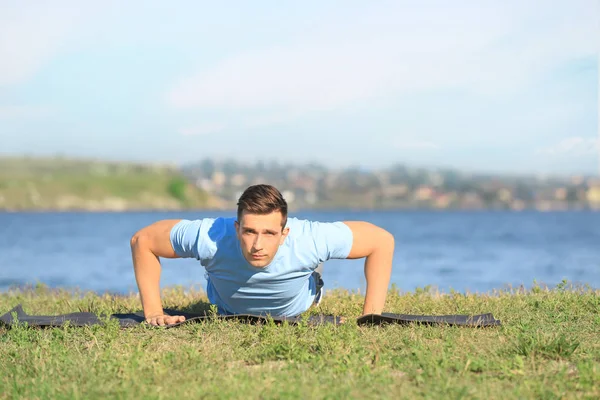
(163, 320)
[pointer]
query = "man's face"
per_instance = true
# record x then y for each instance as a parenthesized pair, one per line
(260, 236)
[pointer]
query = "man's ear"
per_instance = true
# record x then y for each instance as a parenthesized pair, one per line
(237, 229)
(284, 234)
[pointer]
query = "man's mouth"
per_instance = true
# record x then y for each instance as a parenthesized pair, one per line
(258, 256)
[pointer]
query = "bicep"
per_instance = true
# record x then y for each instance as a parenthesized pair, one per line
(367, 238)
(157, 238)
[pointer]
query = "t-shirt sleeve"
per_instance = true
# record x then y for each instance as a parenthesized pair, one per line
(332, 240)
(190, 239)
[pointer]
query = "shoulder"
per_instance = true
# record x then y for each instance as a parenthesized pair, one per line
(325, 240)
(208, 228)
(220, 228)
(299, 227)
(200, 238)
(305, 227)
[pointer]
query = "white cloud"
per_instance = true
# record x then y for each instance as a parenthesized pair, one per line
(271, 118)
(32, 34)
(573, 146)
(205, 129)
(490, 49)
(402, 144)
(19, 112)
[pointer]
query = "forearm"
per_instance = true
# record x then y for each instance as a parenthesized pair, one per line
(147, 270)
(378, 270)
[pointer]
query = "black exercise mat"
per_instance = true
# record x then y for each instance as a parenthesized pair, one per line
(481, 320)
(132, 319)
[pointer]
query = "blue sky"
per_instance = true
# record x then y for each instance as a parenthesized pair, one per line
(504, 86)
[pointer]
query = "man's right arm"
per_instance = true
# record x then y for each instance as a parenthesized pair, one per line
(147, 245)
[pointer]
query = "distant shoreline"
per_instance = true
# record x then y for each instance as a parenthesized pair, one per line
(59, 184)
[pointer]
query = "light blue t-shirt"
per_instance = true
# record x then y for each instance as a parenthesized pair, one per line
(285, 287)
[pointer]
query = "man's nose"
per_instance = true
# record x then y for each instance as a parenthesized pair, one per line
(258, 242)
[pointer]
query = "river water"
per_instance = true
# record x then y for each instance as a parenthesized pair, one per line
(463, 251)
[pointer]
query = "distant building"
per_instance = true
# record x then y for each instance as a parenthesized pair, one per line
(517, 205)
(205, 184)
(219, 178)
(259, 180)
(392, 191)
(593, 197)
(311, 198)
(436, 179)
(560, 194)
(423, 193)
(444, 200)
(505, 195)
(238, 180)
(577, 180)
(289, 196)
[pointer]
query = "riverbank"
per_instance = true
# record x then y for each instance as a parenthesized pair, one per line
(55, 184)
(67, 184)
(547, 347)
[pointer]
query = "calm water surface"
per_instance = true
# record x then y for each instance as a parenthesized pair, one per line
(464, 251)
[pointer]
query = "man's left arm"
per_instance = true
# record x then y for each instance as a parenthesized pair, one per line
(377, 245)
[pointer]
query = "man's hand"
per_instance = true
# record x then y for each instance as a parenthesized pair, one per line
(162, 320)
(147, 245)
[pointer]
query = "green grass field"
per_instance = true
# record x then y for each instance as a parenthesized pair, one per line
(548, 347)
(68, 184)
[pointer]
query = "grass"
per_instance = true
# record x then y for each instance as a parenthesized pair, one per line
(69, 184)
(548, 347)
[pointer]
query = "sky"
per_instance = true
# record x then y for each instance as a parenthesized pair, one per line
(497, 86)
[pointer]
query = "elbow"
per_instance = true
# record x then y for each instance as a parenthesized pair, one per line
(383, 242)
(389, 240)
(136, 240)
(133, 241)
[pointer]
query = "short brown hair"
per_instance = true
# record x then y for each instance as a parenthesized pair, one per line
(262, 199)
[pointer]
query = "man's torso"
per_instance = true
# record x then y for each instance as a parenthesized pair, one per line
(284, 287)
